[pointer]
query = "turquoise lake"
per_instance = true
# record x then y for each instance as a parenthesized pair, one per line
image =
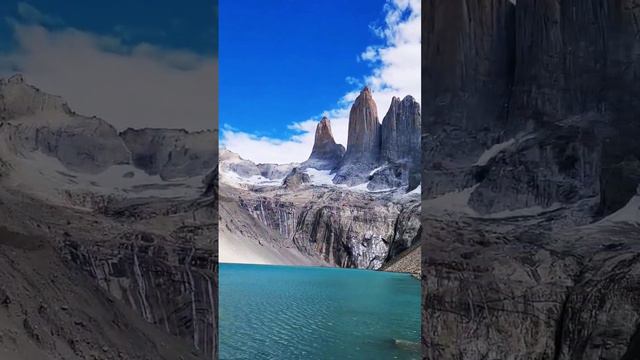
(290, 312)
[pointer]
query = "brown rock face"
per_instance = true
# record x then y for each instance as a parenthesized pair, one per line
(326, 154)
(363, 143)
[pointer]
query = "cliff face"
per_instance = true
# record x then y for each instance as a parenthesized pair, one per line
(338, 228)
(321, 222)
(50, 311)
(400, 141)
(401, 131)
(363, 141)
(139, 244)
(529, 181)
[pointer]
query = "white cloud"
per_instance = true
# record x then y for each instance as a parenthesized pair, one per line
(129, 86)
(395, 72)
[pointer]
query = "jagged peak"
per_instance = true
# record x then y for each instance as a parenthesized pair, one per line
(323, 131)
(365, 99)
(21, 98)
(409, 98)
(16, 79)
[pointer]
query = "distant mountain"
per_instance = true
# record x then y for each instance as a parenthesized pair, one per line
(355, 208)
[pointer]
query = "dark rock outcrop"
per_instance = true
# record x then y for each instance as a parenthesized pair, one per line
(275, 171)
(295, 179)
(326, 154)
(172, 153)
(399, 148)
(530, 112)
(401, 132)
(386, 156)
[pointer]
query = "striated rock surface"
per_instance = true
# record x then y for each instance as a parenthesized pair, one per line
(363, 142)
(326, 154)
(50, 311)
(399, 148)
(530, 180)
(401, 132)
(326, 224)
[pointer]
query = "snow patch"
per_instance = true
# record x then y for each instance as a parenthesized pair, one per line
(325, 178)
(320, 177)
(493, 151)
(377, 169)
(630, 213)
(47, 177)
(234, 179)
(416, 191)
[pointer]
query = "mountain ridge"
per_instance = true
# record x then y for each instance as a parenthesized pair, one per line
(139, 238)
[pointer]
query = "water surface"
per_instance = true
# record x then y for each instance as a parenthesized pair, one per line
(288, 312)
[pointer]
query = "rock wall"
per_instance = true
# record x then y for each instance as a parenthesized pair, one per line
(171, 287)
(400, 138)
(363, 141)
(530, 110)
(339, 227)
(172, 153)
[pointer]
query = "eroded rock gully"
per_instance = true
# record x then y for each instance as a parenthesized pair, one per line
(339, 227)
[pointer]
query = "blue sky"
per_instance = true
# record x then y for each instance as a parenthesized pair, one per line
(133, 63)
(283, 60)
(285, 63)
(191, 27)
